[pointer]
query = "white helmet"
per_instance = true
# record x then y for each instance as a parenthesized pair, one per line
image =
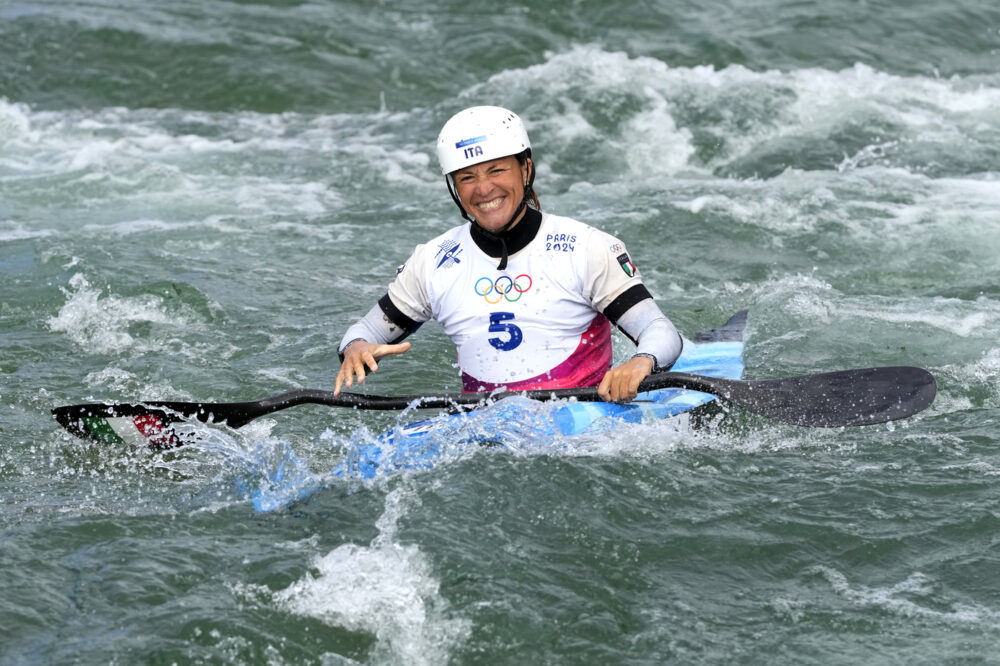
(480, 134)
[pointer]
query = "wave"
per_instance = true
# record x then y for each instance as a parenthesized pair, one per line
(739, 122)
(593, 114)
(386, 589)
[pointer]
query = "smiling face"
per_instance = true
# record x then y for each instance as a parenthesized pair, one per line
(492, 191)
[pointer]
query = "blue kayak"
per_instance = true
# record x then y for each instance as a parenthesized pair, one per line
(419, 445)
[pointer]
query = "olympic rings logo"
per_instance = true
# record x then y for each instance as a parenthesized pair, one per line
(503, 288)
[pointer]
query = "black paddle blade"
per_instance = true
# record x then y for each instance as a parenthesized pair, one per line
(153, 424)
(139, 425)
(833, 399)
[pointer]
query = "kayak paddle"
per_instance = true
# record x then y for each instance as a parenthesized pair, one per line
(833, 399)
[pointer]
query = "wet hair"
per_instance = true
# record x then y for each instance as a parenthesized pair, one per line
(529, 190)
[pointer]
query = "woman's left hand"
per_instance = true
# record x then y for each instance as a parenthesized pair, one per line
(622, 383)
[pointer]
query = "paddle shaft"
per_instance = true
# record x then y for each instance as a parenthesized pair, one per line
(844, 398)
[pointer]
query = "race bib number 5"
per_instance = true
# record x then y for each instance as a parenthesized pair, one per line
(502, 322)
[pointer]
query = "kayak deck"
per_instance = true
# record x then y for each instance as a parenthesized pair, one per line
(717, 353)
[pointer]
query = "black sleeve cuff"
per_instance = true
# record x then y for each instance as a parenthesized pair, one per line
(397, 317)
(626, 300)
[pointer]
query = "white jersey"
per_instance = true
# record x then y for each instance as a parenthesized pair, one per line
(536, 324)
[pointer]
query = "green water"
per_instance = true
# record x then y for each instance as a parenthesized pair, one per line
(197, 198)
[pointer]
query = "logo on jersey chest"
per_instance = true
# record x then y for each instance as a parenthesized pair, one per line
(447, 254)
(503, 288)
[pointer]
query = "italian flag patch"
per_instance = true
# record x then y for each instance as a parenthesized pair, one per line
(146, 430)
(627, 264)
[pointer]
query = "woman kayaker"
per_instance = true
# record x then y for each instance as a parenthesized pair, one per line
(527, 297)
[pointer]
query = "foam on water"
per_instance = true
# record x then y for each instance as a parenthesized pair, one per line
(980, 377)
(115, 162)
(815, 300)
(918, 596)
(119, 381)
(14, 121)
(656, 110)
(100, 325)
(386, 589)
(873, 205)
(654, 119)
(11, 231)
(960, 318)
(73, 141)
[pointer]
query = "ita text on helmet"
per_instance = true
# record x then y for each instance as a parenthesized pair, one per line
(479, 134)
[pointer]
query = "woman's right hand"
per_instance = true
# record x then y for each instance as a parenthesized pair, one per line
(360, 354)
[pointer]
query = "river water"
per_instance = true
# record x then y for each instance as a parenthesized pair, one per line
(197, 198)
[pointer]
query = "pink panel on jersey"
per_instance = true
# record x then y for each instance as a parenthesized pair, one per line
(584, 367)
